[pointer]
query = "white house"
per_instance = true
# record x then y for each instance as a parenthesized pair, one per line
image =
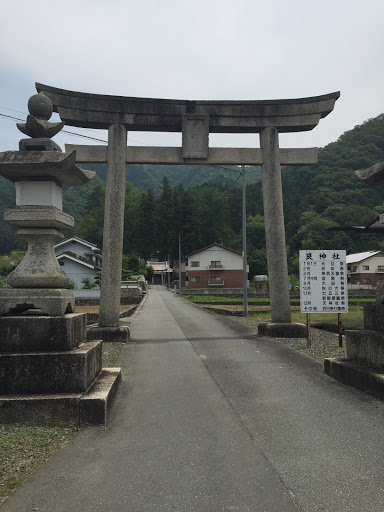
(79, 259)
(215, 266)
(365, 269)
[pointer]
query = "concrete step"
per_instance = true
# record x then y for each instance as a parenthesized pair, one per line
(96, 405)
(90, 408)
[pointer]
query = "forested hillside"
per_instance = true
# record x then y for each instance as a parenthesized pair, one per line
(144, 177)
(204, 206)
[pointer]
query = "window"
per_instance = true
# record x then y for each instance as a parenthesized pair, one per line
(195, 263)
(216, 263)
(354, 268)
(365, 267)
(195, 279)
(216, 278)
(380, 268)
(366, 280)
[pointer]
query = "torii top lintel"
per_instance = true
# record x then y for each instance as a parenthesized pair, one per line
(149, 114)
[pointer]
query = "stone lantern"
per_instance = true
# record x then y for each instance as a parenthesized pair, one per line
(49, 372)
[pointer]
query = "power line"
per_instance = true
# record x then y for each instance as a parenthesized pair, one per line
(11, 117)
(63, 131)
(97, 139)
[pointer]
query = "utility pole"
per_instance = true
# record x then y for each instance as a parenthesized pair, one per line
(245, 275)
(180, 265)
(169, 273)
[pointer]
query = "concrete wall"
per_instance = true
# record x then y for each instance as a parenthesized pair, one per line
(87, 294)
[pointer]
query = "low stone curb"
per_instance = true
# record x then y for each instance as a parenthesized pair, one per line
(119, 334)
(359, 376)
(282, 330)
(93, 318)
(225, 312)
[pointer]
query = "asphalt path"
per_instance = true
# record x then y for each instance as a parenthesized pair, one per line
(211, 417)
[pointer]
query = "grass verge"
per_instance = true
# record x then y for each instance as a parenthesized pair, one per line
(351, 320)
(23, 449)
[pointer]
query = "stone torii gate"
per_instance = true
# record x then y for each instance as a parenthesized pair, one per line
(195, 119)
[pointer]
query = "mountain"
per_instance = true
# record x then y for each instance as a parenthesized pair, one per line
(204, 203)
(144, 177)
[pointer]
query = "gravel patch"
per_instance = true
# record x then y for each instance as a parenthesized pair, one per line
(323, 343)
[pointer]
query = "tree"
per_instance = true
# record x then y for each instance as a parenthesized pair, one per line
(91, 226)
(257, 260)
(165, 219)
(88, 284)
(147, 225)
(131, 202)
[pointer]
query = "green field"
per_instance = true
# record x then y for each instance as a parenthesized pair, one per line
(351, 320)
(212, 299)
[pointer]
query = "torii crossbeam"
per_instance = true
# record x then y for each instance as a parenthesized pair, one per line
(195, 119)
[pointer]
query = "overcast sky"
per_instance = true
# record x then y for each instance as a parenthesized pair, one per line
(196, 49)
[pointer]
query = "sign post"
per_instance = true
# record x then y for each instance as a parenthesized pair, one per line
(323, 283)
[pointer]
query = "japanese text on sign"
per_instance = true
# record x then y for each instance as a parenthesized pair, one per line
(323, 282)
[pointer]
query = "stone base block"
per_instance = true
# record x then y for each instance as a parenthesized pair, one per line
(53, 302)
(359, 376)
(366, 347)
(29, 333)
(96, 405)
(374, 317)
(91, 408)
(109, 334)
(50, 372)
(283, 330)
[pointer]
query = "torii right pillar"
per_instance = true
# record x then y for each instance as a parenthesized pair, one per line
(280, 324)
(274, 227)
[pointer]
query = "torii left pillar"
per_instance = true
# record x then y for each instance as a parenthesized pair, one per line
(113, 227)
(274, 227)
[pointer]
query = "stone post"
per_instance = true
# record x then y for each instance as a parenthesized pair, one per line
(274, 227)
(113, 227)
(50, 374)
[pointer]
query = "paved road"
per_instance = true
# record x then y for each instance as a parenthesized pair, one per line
(211, 417)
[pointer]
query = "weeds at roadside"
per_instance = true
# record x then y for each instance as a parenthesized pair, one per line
(23, 449)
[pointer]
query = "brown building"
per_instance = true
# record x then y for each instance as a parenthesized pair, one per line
(215, 266)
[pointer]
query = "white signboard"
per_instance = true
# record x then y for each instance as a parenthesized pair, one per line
(323, 282)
